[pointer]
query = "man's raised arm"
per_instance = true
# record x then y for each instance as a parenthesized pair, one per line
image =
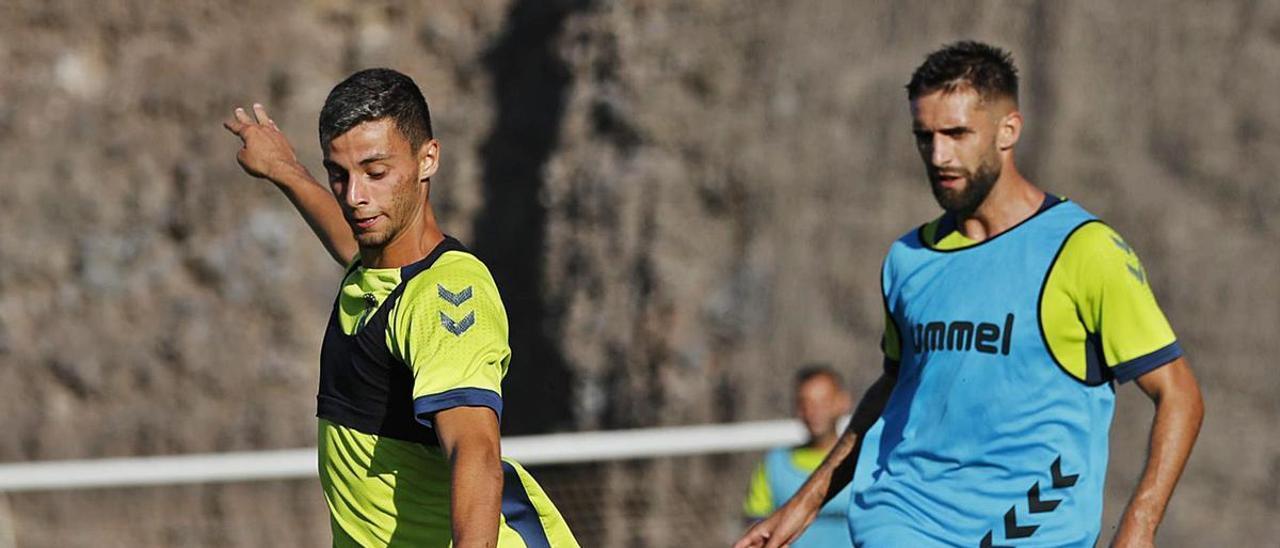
(786, 524)
(267, 154)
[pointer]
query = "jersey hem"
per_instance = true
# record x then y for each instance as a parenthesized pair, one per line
(1142, 365)
(426, 407)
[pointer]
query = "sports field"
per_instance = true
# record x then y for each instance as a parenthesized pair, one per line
(682, 203)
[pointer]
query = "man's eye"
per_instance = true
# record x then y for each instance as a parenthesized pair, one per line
(375, 175)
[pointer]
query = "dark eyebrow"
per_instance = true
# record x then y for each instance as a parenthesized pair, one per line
(952, 130)
(330, 164)
(374, 158)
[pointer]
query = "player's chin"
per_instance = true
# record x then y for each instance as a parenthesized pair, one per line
(371, 238)
(948, 198)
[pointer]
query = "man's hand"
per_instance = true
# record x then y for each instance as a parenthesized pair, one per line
(783, 527)
(266, 153)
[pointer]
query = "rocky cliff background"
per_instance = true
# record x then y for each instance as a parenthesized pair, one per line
(682, 201)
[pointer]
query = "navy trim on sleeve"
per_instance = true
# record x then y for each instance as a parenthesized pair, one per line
(1142, 365)
(426, 407)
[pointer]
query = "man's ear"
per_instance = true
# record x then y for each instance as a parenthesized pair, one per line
(428, 159)
(1008, 130)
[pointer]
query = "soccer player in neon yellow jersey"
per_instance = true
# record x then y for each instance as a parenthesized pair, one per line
(1009, 321)
(416, 347)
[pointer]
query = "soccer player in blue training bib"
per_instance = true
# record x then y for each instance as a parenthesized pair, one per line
(820, 401)
(416, 348)
(1010, 319)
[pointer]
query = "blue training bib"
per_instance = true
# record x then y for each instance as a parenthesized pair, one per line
(985, 441)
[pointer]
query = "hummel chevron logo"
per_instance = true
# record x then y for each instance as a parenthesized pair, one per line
(1059, 480)
(1135, 267)
(1011, 528)
(456, 299)
(1035, 505)
(458, 328)
(1122, 245)
(1038, 506)
(1137, 273)
(986, 542)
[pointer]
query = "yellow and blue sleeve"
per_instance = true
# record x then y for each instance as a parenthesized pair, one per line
(1097, 310)
(451, 329)
(759, 502)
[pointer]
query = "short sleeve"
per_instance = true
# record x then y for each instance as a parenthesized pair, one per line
(1098, 312)
(759, 503)
(891, 345)
(890, 338)
(451, 331)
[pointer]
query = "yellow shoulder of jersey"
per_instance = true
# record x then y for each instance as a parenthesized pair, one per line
(450, 328)
(456, 287)
(1097, 309)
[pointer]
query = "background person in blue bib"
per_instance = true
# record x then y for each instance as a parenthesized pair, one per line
(820, 401)
(1009, 320)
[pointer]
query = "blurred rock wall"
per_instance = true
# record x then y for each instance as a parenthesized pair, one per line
(682, 201)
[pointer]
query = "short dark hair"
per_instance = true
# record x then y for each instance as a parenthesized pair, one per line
(986, 69)
(374, 94)
(815, 370)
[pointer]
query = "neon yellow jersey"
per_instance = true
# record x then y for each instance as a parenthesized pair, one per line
(1097, 302)
(404, 344)
(1098, 315)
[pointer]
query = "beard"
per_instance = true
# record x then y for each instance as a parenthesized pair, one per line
(965, 201)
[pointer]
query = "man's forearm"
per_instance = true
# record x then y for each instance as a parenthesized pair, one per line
(318, 207)
(476, 496)
(837, 470)
(1173, 433)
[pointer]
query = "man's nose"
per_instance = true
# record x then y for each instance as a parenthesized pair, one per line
(355, 195)
(941, 151)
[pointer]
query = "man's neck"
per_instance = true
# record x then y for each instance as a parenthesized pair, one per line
(1012, 200)
(409, 246)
